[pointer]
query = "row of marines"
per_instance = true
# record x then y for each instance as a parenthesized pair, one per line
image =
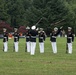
(31, 36)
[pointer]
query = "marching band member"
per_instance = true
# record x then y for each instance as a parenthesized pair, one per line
(70, 39)
(53, 37)
(16, 39)
(5, 40)
(28, 39)
(41, 40)
(33, 34)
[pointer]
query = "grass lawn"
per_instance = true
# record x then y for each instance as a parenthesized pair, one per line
(22, 63)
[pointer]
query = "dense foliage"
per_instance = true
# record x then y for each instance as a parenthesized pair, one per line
(28, 12)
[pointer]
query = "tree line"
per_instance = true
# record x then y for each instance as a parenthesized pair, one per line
(49, 13)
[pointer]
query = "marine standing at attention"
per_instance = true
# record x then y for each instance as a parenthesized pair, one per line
(5, 40)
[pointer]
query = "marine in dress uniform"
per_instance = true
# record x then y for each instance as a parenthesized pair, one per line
(53, 37)
(41, 40)
(16, 39)
(27, 35)
(33, 34)
(70, 39)
(5, 40)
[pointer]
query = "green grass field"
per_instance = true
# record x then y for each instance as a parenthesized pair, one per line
(22, 63)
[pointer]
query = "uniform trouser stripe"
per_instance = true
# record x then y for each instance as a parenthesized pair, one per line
(70, 48)
(5, 46)
(41, 45)
(54, 47)
(16, 46)
(33, 46)
(28, 46)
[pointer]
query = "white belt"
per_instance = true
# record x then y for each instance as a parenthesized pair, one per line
(33, 36)
(5, 37)
(53, 37)
(41, 37)
(15, 37)
(27, 37)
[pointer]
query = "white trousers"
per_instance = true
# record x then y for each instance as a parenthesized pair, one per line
(28, 46)
(41, 45)
(33, 46)
(54, 47)
(5, 46)
(16, 46)
(70, 48)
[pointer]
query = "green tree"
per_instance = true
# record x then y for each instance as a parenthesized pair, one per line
(16, 12)
(3, 11)
(51, 11)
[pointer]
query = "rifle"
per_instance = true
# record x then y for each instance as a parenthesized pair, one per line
(66, 48)
(13, 47)
(3, 48)
(57, 22)
(25, 47)
(38, 21)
